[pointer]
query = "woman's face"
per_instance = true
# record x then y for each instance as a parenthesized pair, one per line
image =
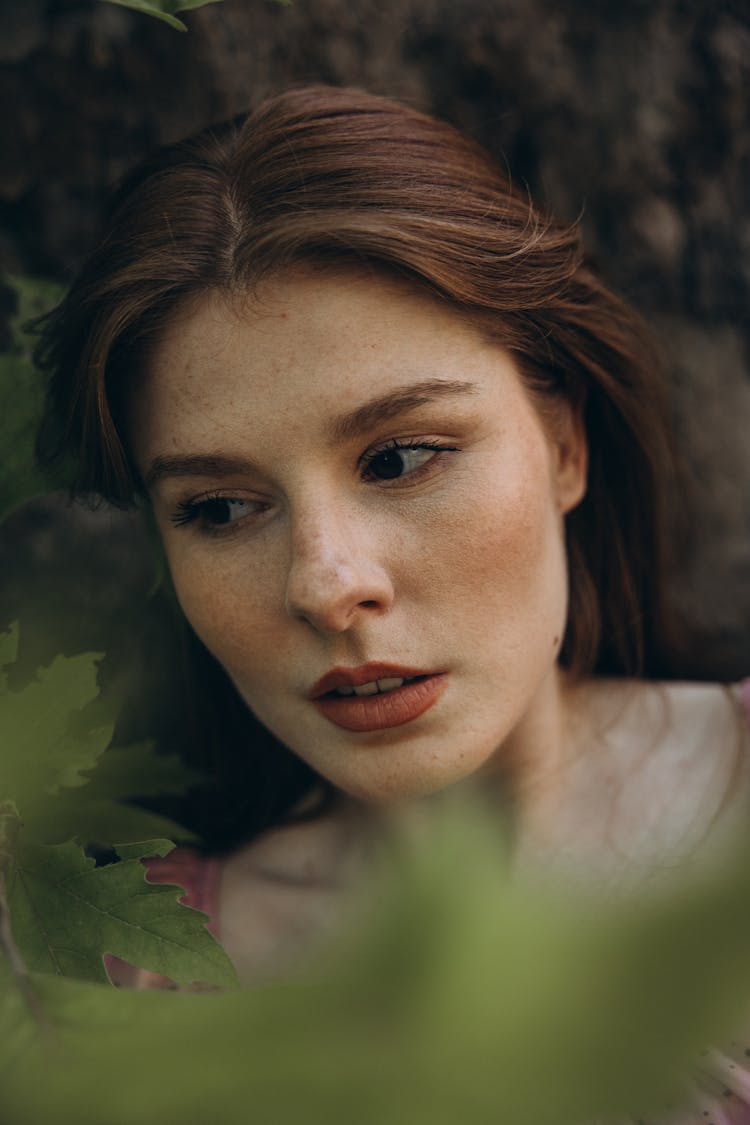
(363, 517)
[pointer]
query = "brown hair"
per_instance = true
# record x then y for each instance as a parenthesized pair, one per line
(320, 174)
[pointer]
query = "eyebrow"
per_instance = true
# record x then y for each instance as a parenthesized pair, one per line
(195, 465)
(389, 405)
(343, 428)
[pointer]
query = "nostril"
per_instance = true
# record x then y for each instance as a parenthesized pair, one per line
(329, 589)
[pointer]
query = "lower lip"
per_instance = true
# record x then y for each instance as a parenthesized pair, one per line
(384, 710)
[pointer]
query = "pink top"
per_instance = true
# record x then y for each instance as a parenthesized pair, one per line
(724, 1098)
(197, 874)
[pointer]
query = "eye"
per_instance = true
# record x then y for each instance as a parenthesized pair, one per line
(402, 459)
(215, 512)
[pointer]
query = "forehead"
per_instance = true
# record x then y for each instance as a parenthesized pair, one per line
(335, 318)
(297, 351)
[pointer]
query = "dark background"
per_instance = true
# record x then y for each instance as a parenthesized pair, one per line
(631, 114)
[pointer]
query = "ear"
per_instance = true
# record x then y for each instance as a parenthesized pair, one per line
(570, 453)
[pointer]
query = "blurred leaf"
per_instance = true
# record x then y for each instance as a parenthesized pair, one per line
(99, 813)
(40, 754)
(22, 1021)
(66, 913)
(466, 996)
(8, 651)
(22, 397)
(165, 9)
(54, 732)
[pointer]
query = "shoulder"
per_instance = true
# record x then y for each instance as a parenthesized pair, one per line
(703, 750)
(664, 768)
(677, 702)
(268, 901)
(672, 724)
(284, 890)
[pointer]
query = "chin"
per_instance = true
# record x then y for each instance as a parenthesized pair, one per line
(409, 782)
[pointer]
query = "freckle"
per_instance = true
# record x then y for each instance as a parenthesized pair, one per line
(556, 642)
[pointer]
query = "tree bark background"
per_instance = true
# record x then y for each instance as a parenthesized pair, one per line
(633, 115)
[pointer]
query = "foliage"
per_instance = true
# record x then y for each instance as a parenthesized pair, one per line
(64, 911)
(165, 9)
(463, 996)
(22, 395)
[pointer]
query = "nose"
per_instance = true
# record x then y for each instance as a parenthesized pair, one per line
(334, 578)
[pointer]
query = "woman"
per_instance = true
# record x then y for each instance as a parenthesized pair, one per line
(407, 458)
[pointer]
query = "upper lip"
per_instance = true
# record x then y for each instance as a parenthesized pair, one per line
(364, 674)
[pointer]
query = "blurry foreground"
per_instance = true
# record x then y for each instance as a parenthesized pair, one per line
(464, 996)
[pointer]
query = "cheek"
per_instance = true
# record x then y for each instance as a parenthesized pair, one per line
(514, 533)
(227, 604)
(507, 532)
(505, 569)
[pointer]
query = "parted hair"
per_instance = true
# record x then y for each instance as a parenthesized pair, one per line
(327, 175)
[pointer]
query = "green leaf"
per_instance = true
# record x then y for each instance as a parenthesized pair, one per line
(54, 732)
(8, 650)
(22, 390)
(66, 913)
(21, 1020)
(99, 813)
(164, 9)
(466, 996)
(391, 1032)
(41, 753)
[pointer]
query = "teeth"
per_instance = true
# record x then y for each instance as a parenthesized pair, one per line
(367, 689)
(390, 684)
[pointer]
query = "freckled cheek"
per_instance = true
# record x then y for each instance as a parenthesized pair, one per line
(226, 605)
(514, 540)
(508, 600)
(494, 547)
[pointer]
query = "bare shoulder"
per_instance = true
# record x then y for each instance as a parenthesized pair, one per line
(675, 720)
(283, 890)
(676, 756)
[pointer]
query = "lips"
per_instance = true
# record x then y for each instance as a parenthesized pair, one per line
(365, 674)
(386, 704)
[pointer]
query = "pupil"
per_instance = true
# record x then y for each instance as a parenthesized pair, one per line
(389, 465)
(218, 511)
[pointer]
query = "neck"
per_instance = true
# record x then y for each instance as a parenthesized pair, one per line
(532, 762)
(524, 778)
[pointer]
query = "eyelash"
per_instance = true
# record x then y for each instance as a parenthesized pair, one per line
(195, 509)
(409, 445)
